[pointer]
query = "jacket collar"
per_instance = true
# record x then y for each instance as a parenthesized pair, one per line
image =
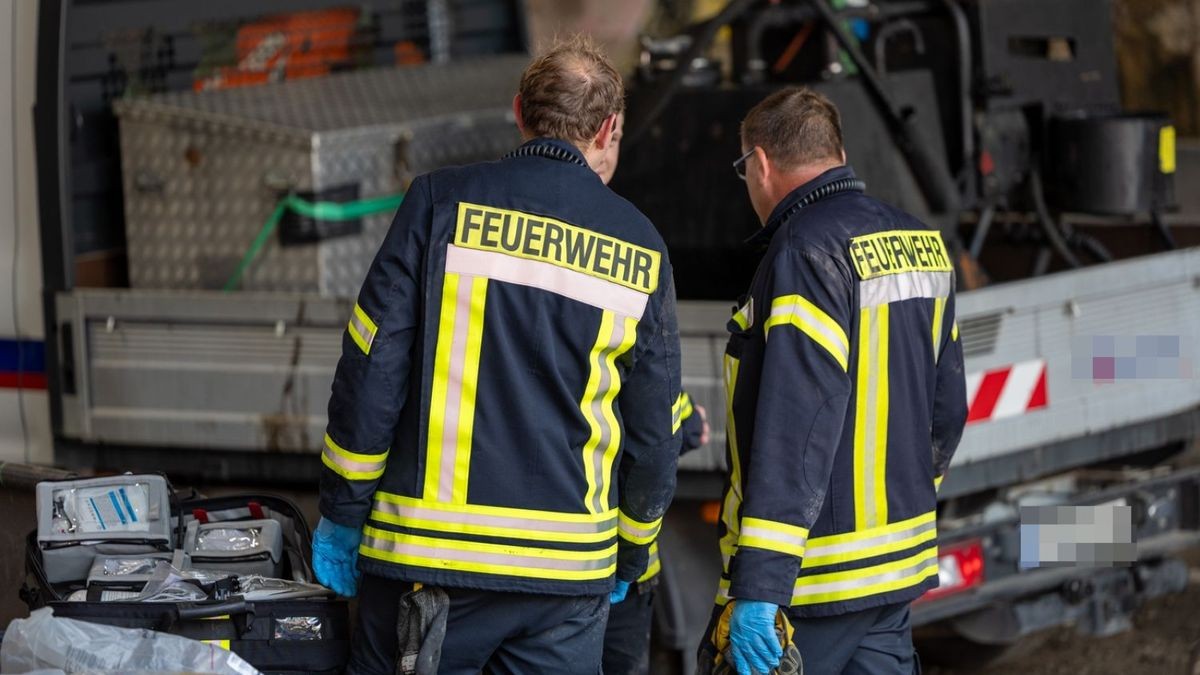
(551, 148)
(833, 181)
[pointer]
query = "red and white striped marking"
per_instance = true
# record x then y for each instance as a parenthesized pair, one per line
(1006, 392)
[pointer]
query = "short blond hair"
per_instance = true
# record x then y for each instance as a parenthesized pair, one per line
(567, 92)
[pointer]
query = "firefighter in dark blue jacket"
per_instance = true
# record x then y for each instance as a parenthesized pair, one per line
(844, 377)
(501, 429)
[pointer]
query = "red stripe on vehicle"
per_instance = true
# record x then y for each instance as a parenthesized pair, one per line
(989, 393)
(22, 381)
(1038, 399)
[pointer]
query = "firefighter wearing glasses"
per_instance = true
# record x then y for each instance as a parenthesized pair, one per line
(844, 377)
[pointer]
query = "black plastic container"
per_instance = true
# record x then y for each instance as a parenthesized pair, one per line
(1111, 163)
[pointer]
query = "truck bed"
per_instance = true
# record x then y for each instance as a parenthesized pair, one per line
(249, 373)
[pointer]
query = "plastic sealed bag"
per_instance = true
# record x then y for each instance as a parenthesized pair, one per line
(101, 510)
(44, 641)
(228, 539)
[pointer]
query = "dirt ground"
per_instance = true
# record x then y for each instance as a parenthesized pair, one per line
(1164, 641)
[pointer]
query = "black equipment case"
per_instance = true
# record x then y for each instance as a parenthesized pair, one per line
(278, 637)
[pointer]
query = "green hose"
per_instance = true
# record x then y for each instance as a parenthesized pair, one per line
(316, 211)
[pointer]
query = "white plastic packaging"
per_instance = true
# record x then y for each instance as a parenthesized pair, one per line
(44, 641)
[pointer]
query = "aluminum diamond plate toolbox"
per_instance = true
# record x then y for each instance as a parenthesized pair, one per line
(202, 172)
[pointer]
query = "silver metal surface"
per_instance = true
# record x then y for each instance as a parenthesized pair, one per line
(202, 172)
(252, 371)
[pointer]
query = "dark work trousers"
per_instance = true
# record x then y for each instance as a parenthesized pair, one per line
(627, 636)
(486, 631)
(875, 641)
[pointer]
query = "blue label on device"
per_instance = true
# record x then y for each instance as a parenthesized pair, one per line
(128, 506)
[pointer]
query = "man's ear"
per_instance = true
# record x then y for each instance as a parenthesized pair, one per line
(604, 136)
(764, 165)
(517, 113)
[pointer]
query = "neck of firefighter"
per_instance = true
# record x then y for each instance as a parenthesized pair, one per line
(770, 182)
(596, 151)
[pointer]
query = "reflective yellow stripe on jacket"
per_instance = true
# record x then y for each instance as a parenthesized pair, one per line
(352, 465)
(682, 410)
(495, 521)
(918, 534)
(653, 565)
(636, 531)
(487, 558)
(616, 336)
(798, 311)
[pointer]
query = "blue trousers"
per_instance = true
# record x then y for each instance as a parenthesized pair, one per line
(486, 631)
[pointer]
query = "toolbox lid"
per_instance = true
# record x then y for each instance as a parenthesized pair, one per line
(352, 100)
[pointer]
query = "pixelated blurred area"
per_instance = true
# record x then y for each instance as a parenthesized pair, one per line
(1108, 358)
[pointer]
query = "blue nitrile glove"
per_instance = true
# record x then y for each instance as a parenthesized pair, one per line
(752, 639)
(618, 592)
(335, 557)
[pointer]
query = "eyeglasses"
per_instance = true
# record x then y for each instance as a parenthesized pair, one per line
(739, 164)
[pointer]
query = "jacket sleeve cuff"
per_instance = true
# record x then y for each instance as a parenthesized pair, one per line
(339, 505)
(631, 560)
(766, 576)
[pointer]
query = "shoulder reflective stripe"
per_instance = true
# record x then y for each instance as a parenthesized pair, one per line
(733, 495)
(362, 329)
(534, 237)
(615, 337)
(772, 536)
(352, 465)
(452, 401)
(868, 581)
(871, 419)
(744, 316)
(812, 321)
(870, 543)
(904, 286)
(899, 251)
(939, 313)
(937, 483)
(463, 556)
(637, 531)
(653, 565)
(495, 521)
(547, 277)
